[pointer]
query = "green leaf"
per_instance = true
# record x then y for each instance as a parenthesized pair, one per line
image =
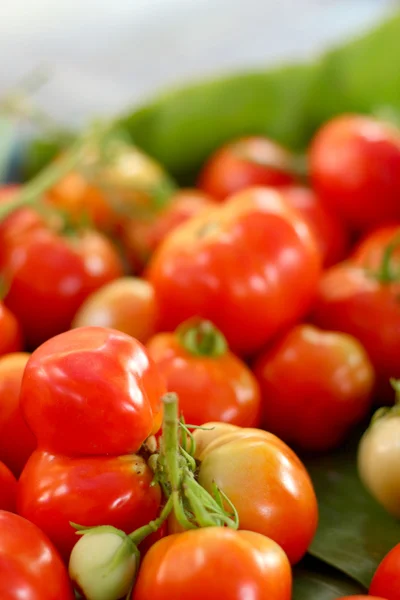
(182, 127)
(315, 581)
(7, 140)
(354, 532)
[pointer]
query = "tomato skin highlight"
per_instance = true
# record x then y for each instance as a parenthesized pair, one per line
(328, 384)
(237, 265)
(11, 337)
(17, 442)
(50, 276)
(209, 387)
(30, 567)
(350, 300)
(8, 489)
(56, 490)
(214, 563)
(244, 163)
(92, 391)
(355, 169)
(331, 234)
(267, 483)
(386, 581)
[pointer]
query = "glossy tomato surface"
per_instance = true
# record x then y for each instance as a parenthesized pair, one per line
(244, 163)
(50, 276)
(211, 382)
(316, 386)
(17, 441)
(55, 490)
(250, 266)
(355, 169)
(92, 390)
(266, 482)
(214, 563)
(11, 336)
(8, 489)
(30, 567)
(386, 581)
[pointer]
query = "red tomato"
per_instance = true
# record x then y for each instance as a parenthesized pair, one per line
(8, 489)
(92, 390)
(244, 163)
(238, 266)
(379, 251)
(56, 490)
(386, 581)
(141, 237)
(316, 385)
(212, 383)
(51, 276)
(355, 169)
(264, 479)
(17, 442)
(331, 235)
(10, 332)
(30, 567)
(214, 563)
(353, 301)
(127, 304)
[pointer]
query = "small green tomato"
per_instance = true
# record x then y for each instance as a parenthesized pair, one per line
(379, 459)
(103, 564)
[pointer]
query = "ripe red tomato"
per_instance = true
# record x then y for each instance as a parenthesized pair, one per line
(141, 237)
(264, 479)
(10, 332)
(8, 489)
(355, 169)
(316, 385)
(127, 304)
(17, 442)
(379, 252)
(30, 567)
(212, 383)
(331, 235)
(90, 391)
(351, 300)
(214, 563)
(244, 163)
(51, 276)
(95, 490)
(238, 266)
(386, 581)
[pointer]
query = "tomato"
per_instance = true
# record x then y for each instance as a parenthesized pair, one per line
(238, 266)
(316, 385)
(266, 482)
(370, 251)
(386, 581)
(352, 300)
(30, 567)
(361, 598)
(243, 163)
(55, 490)
(92, 390)
(331, 235)
(17, 442)
(355, 169)
(127, 304)
(141, 236)
(11, 339)
(8, 489)
(214, 563)
(212, 383)
(51, 276)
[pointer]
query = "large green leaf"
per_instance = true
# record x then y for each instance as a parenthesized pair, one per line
(182, 127)
(354, 532)
(315, 581)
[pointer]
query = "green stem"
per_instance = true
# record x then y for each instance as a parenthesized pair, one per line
(202, 338)
(143, 532)
(385, 273)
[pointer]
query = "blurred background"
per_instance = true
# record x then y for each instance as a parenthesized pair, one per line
(102, 57)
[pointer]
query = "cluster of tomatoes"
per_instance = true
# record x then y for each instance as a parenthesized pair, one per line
(266, 299)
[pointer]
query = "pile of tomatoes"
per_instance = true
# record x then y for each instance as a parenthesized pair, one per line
(163, 364)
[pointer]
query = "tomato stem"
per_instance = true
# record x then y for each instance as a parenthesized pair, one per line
(143, 532)
(385, 273)
(202, 338)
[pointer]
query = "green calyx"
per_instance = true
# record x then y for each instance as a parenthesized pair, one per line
(386, 273)
(202, 338)
(388, 412)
